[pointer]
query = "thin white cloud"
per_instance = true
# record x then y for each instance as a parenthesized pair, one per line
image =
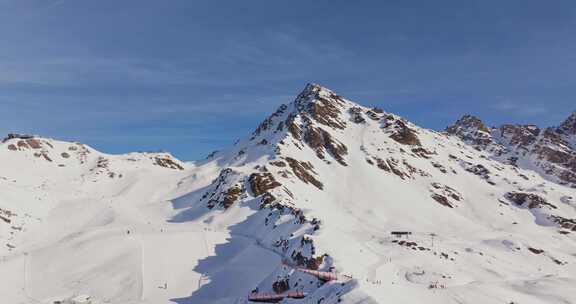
(519, 108)
(71, 70)
(55, 3)
(281, 48)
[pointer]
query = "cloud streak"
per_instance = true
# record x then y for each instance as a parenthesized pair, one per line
(74, 70)
(280, 48)
(519, 108)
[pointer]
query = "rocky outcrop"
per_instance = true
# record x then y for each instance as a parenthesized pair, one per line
(224, 191)
(30, 143)
(550, 149)
(479, 170)
(304, 172)
(422, 152)
(528, 200)
(260, 183)
(471, 130)
(316, 110)
(467, 123)
(167, 162)
(565, 223)
(292, 126)
(535, 250)
(269, 122)
(403, 134)
(519, 135)
(442, 200)
(356, 113)
(322, 105)
(445, 195)
(5, 215)
(569, 125)
(321, 141)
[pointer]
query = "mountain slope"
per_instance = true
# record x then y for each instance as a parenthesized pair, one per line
(550, 151)
(391, 211)
(70, 210)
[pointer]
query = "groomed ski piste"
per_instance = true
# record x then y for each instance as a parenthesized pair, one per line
(326, 202)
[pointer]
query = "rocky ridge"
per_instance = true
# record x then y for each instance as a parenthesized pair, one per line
(549, 150)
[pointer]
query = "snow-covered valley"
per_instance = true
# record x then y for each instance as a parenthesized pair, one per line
(325, 202)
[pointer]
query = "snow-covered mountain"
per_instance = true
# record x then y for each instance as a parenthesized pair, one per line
(326, 201)
(550, 151)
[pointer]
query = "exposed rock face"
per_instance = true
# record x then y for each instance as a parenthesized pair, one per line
(320, 141)
(322, 105)
(317, 110)
(519, 135)
(38, 147)
(550, 149)
(468, 123)
(535, 250)
(260, 183)
(167, 162)
(403, 134)
(422, 152)
(479, 170)
(224, 191)
(5, 215)
(28, 143)
(442, 200)
(565, 223)
(302, 171)
(472, 130)
(445, 195)
(528, 200)
(569, 125)
(356, 113)
(268, 123)
(292, 126)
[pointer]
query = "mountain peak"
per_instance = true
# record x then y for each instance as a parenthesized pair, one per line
(314, 93)
(322, 105)
(569, 125)
(471, 129)
(314, 88)
(315, 101)
(469, 123)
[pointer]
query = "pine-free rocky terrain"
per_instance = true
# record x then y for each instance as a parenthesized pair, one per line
(327, 201)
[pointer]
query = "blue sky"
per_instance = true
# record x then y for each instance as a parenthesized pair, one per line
(193, 76)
